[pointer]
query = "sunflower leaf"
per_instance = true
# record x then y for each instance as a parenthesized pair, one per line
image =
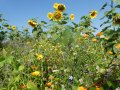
(103, 7)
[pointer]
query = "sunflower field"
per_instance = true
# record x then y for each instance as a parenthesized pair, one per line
(61, 54)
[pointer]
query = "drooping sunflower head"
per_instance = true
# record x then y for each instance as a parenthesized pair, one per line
(32, 23)
(61, 7)
(56, 5)
(57, 16)
(93, 14)
(116, 19)
(50, 15)
(71, 16)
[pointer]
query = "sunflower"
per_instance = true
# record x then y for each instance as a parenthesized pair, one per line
(61, 7)
(99, 34)
(93, 14)
(13, 27)
(50, 15)
(55, 5)
(116, 19)
(71, 16)
(32, 23)
(57, 16)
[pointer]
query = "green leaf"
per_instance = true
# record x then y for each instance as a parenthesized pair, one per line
(92, 88)
(74, 87)
(9, 59)
(106, 22)
(21, 67)
(17, 78)
(103, 7)
(31, 86)
(44, 22)
(118, 6)
(5, 24)
(101, 88)
(4, 52)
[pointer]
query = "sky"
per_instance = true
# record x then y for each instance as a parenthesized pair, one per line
(18, 12)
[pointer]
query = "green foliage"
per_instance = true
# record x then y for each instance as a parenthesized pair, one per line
(61, 54)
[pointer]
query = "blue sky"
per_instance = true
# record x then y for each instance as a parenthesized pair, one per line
(18, 12)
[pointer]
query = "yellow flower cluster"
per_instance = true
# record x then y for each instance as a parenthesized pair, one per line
(57, 14)
(32, 23)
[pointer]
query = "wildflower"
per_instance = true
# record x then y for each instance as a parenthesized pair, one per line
(32, 23)
(57, 16)
(99, 34)
(110, 52)
(71, 17)
(34, 67)
(49, 84)
(93, 14)
(50, 15)
(23, 86)
(61, 7)
(117, 46)
(39, 56)
(81, 88)
(55, 5)
(13, 27)
(116, 19)
(70, 77)
(35, 73)
(85, 36)
(94, 40)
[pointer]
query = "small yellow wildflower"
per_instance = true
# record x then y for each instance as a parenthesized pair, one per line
(32, 23)
(35, 73)
(50, 15)
(94, 40)
(13, 27)
(57, 16)
(39, 56)
(71, 16)
(93, 14)
(55, 5)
